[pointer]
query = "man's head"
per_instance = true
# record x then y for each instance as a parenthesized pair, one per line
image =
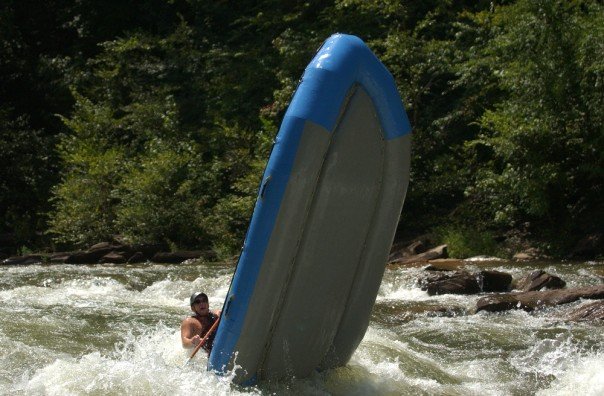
(200, 304)
(198, 297)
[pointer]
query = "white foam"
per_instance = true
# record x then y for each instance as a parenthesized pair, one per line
(153, 363)
(480, 259)
(577, 371)
(585, 377)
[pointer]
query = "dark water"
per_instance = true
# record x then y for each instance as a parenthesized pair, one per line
(105, 329)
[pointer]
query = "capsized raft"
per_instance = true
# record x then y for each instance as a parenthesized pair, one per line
(327, 210)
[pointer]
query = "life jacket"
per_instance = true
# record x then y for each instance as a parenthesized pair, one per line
(210, 341)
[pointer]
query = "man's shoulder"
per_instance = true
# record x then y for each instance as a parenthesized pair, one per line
(190, 320)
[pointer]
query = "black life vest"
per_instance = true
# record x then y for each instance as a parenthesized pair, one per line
(210, 341)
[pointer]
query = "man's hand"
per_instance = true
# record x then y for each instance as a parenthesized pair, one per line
(196, 340)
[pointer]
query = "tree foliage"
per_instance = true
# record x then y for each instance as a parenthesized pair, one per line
(153, 120)
(544, 136)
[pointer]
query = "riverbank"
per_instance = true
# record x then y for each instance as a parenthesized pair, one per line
(113, 253)
(499, 290)
(419, 249)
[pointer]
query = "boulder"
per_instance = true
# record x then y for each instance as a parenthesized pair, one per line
(434, 253)
(107, 252)
(113, 258)
(460, 282)
(537, 299)
(103, 245)
(434, 276)
(498, 302)
(59, 257)
(495, 281)
(444, 265)
(88, 257)
(147, 250)
(463, 282)
(24, 260)
(587, 312)
(399, 251)
(137, 257)
(538, 280)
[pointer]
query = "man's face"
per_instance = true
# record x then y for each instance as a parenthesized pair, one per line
(201, 306)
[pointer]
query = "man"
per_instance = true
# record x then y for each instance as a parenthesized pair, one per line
(195, 327)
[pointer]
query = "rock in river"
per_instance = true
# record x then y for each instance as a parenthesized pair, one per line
(538, 280)
(537, 299)
(587, 312)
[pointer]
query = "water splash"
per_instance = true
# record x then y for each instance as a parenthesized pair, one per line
(152, 363)
(585, 377)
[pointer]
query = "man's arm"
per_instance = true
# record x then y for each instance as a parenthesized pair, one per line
(188, 336)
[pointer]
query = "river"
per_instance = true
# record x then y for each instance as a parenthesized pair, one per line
(114, 330)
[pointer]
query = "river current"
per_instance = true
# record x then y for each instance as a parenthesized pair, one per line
(114, 330)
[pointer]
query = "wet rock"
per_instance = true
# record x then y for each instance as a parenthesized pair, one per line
(538, 280)
(435, 253)
(137, 257)
(463, 282)
(102, 245)
(498, 303)
(108, 252)
(88, 257)
(587, 312)
(24, 260)
(433, 276)
(460, 282)
(495, 281)
(444, 265)
(399, 313)
(59, 257)
(537, 299)
(177, 257)
(113, 258)
(405, 249)
(147, 250)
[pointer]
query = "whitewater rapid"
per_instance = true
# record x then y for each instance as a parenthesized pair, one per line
(114, 330)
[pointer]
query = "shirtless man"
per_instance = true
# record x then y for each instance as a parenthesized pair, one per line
(195, 327)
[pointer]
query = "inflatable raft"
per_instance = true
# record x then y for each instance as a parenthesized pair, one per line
(324, 221)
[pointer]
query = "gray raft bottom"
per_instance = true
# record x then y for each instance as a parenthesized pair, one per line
(326, 257)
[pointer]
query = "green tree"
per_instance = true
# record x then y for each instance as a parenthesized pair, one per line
(543, 140)
(84, 200)
(149, 102)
